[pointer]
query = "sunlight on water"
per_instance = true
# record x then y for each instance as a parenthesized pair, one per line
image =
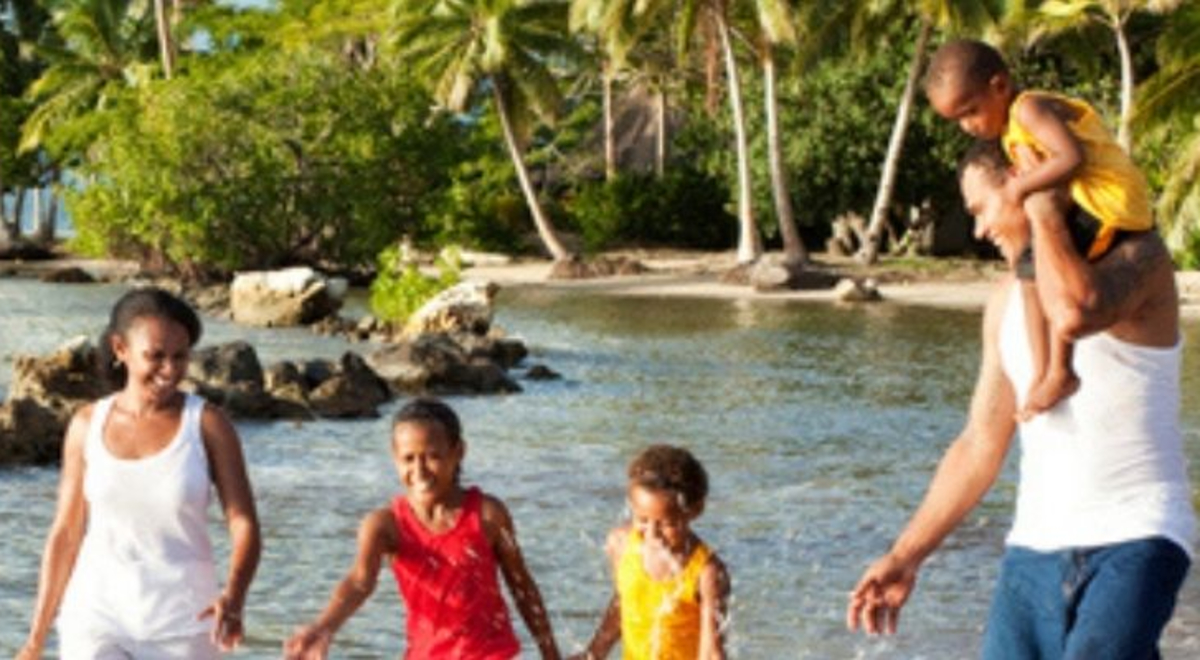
(819, 427)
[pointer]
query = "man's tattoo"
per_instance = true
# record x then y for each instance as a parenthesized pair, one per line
(1127, 269)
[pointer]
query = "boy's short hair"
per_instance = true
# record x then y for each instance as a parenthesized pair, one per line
(430, 410)
(987, 155)
(968, 63)
(671, 469)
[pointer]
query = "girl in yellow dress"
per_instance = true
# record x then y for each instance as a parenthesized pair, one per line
(671, 587)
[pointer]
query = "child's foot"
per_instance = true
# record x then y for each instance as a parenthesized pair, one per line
(1048, 392)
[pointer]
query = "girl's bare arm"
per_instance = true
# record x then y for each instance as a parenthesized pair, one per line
(503, 536)
(64, 539)
(376, 538)
(714, 598)
(228, 468)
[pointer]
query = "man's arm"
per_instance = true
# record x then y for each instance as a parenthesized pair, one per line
(966, 472)
(1130, 291)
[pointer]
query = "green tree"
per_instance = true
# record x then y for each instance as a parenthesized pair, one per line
(1168, 104)
(262, 160)
(1055, 17)
(98, 49)
(615, 24)
(715, 14)
(950, 15)
(504, 48)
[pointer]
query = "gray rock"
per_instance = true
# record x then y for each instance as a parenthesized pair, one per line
(463, 308)
(228, 365)
(294, 296)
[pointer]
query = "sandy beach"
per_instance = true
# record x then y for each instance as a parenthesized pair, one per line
(953, 283)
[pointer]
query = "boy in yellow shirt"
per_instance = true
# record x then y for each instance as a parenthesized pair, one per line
(1059, 145)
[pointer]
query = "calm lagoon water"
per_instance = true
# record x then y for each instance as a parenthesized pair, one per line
(819, 425)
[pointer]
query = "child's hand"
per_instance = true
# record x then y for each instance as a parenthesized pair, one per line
(308, 643)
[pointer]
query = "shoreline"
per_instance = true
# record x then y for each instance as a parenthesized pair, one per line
(963, 285)
(933, 282)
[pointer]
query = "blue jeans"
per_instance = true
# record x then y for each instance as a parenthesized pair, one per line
(1105, 603)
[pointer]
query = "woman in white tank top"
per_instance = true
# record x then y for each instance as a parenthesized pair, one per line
(128, 566)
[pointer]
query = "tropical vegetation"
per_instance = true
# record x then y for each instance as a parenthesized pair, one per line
(211, 137)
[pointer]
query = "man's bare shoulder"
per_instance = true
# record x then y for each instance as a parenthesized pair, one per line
(1136, 281)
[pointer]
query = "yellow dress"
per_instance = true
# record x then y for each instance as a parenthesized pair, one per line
(660, 619)
(1108, 185)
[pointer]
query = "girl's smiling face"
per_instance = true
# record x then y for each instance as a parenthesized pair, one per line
(155, 352)
(661, 517)
(427, 461)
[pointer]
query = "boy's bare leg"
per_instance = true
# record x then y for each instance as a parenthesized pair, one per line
(1038, 332)
(1058, 380)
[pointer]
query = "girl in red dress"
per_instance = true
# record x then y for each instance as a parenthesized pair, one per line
(446, 545)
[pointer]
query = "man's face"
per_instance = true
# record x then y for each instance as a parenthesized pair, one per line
(1004, 225)
(981, 111)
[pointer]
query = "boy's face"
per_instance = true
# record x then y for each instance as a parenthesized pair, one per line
(981, 112)
(660, 517)
(1002, 224)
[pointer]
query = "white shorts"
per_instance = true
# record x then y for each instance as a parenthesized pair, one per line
(95, 645)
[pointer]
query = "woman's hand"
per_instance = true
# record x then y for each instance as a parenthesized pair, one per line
(31, 651)
(228, 629)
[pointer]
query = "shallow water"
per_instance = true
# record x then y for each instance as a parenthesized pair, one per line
(819, 425)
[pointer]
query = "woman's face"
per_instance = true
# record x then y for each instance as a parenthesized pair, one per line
(155, 352)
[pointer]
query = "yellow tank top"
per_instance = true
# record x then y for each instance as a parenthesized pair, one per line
(1108, 185)
(660, 619)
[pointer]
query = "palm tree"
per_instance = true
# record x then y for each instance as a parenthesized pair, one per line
(1168, 100)
(1057, 16)
(776, 24)
(166, 46)
(501, 48)
(616, 24)
(99, 47)
(931, 15)
(715, 13)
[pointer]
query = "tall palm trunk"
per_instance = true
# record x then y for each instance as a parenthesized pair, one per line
(749, 243)
(36, 209)
(660, 139)
(610, 146)
(44, 232)
(18, 210)
(544, 228)
(1124, 136)
(165, 47)
(887, 183)
(793, 247)
(712, 59)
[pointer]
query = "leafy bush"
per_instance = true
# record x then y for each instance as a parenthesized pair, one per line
(685, 208)
(400, 288)
(265, 160)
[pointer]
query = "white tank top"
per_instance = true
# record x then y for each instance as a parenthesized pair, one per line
(145, 569)
(1106, 465)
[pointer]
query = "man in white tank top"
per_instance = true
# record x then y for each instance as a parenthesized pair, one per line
(1104, 529)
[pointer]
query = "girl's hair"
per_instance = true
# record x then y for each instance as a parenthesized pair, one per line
(673, 470)
(146, 302)
(430, 410)
(968, 63)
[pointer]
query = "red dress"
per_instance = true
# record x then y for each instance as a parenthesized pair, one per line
(448, 582)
